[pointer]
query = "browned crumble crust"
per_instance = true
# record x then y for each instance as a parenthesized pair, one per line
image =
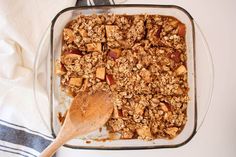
(140, 59)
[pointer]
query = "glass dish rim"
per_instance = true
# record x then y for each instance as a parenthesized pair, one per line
(194, 64)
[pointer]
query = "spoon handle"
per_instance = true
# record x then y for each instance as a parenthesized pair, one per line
(52, 148)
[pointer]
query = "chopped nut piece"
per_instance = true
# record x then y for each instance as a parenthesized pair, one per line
(94, 47)
(100, 73)
(76, 81)
(181, 70)
(114, 53)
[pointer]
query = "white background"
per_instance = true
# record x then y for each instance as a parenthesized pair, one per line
(25, 21)
(217, 137)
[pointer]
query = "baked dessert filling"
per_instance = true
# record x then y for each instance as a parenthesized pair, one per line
(140, 59)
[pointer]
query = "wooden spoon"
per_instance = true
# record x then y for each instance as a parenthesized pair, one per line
(86, 114)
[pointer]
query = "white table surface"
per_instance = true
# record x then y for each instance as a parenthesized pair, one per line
(217, 137)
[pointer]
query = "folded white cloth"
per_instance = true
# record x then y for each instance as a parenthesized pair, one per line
(22, 24)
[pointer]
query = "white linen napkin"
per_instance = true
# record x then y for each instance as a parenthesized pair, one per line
(22, 24)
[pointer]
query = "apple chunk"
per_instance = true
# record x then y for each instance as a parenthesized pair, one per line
(181, 30)
(110, 80)
(114, 53)
(181, 70)
(74, 81)
(94, 47)
(73, 51)
(59, 68)
(176, 56)
(100, 73)
(83, 32)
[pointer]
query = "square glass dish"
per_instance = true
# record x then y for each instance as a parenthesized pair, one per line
(57, 95)
(200, 74)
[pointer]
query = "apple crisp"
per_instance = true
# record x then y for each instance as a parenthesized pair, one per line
(140, 59)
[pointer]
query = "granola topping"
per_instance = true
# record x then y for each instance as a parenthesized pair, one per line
(140, 59)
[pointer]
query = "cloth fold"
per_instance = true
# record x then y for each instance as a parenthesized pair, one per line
(22, 23)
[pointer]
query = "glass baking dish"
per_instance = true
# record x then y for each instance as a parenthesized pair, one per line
(50, 50)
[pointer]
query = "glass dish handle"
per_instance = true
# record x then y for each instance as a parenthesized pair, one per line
(41, 84)
(204, 75)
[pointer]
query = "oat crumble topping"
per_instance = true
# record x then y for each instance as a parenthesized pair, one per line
(140, 59)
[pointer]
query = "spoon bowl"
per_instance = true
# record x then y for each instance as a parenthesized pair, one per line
(87, 113)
